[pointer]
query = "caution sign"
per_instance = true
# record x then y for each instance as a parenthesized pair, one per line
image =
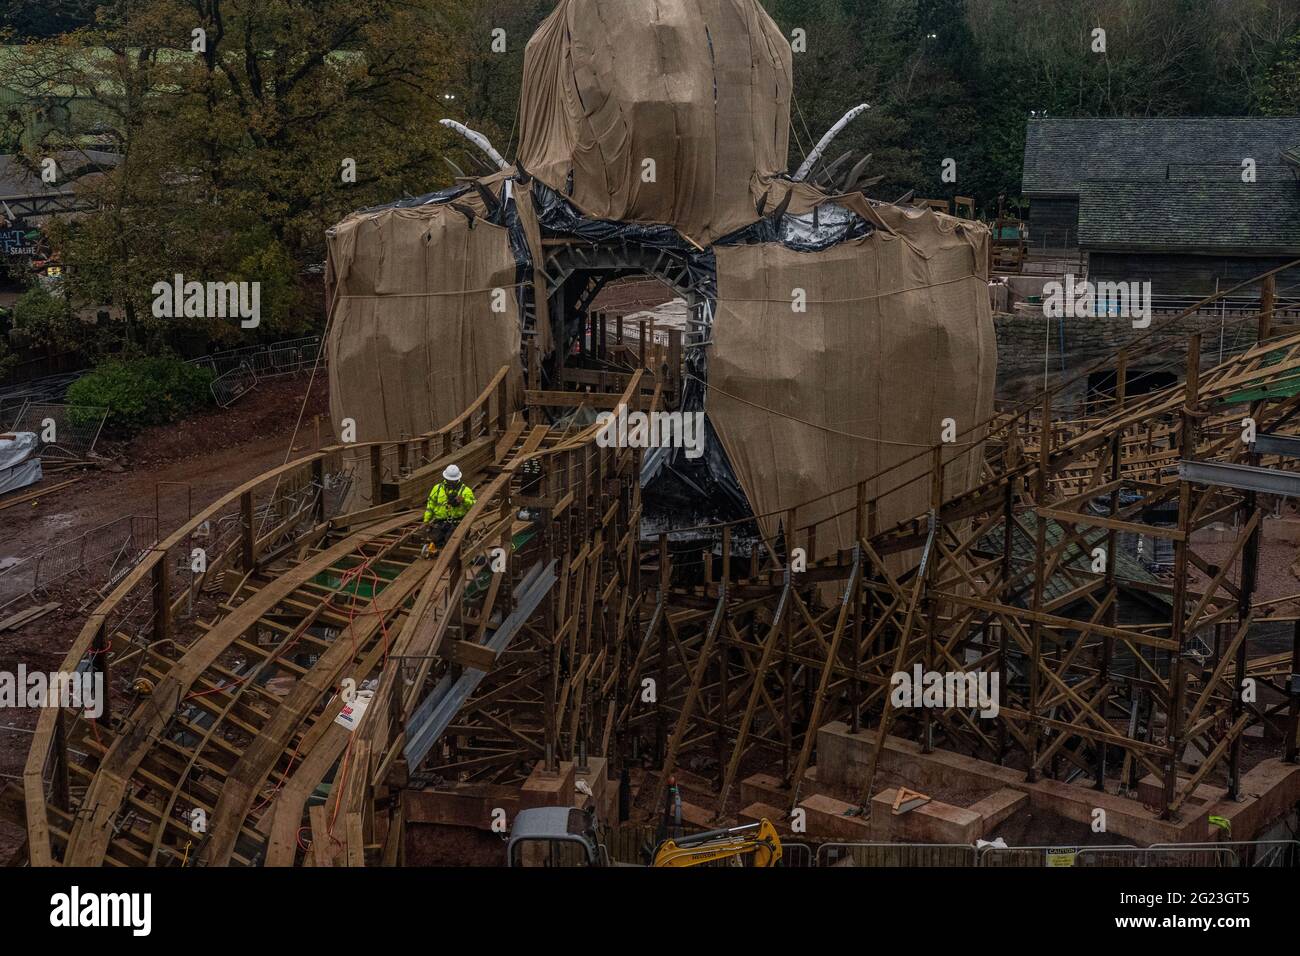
(1060, 856)
(352, 712)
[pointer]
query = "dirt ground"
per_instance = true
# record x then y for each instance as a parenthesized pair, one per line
(169, 472)
(207, 455)
(204, 457)
(1275, 578)
(176, 470)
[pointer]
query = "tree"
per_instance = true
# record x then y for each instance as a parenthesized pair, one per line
(236, 123)
(48, 18)
(1279, 94)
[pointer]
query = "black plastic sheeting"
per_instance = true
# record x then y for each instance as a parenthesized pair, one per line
(428, 199)
(706, 485)
(825, 226)
(669, 478)
(667, 474)
(559, 217)
(524, 264)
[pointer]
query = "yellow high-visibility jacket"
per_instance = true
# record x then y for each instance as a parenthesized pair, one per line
(441, 506)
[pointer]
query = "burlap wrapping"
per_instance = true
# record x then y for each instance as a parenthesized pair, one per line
(898, 336)
(414, 337)
(702, 87)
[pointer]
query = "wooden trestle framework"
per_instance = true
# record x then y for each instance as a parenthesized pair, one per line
(545, 630)
(1018, 577)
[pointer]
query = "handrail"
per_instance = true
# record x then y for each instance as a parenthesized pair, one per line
(375, 735)
(1006, 419)
(43, 739)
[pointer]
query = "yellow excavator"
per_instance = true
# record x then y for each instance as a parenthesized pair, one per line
(754, 844)
(565, 836)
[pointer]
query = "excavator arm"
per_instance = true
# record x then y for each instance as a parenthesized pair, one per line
(755, 843)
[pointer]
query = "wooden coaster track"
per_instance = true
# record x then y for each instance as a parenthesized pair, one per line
(527, 638)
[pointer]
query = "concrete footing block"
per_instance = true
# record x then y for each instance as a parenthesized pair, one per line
(762, 811)
(997, 807)
(831, 819)
(545, 788)
(932, 822)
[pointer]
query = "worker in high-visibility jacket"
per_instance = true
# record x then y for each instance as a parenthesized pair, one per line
(449, 502)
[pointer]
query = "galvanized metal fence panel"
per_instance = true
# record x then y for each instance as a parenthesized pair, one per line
(238, 371)
(1173, 856)
(11, 413)
(633, 843)
(62, 431)
(627, 842)
(101, 554)
(896, 854)
(1029, 855)
(233, 385)
(798, 855)
(278, 358)
(1237, 853)
(205, 361)
(1207, 856)
(1270, 853)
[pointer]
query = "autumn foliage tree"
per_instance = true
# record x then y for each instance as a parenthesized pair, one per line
(246, 128)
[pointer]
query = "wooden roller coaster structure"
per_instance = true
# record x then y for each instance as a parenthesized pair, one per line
(528, 638)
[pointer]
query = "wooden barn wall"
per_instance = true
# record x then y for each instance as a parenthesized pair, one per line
(1053, 222)
(1187, 274)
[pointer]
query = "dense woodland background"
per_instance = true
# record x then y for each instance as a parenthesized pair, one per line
(233, 157)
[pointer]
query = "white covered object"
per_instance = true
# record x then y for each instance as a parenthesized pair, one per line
(19, 466)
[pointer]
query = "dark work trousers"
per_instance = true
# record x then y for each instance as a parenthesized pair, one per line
(439, 531)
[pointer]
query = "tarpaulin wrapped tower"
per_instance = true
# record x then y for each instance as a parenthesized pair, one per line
(831, 336)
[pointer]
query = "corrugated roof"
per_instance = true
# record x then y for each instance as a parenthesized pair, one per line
(1061, 154)
(20, 178)
(1260, 217)
(1127, 567)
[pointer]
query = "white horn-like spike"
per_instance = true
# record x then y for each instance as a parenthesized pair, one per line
(815, 156)
(478, 139)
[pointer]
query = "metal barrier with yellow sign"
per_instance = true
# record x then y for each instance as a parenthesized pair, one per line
(1029, 855)
(896, 854)
(628, 843)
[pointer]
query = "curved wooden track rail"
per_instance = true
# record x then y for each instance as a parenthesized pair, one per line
(523, 640)
(222, 733)
(753, 662)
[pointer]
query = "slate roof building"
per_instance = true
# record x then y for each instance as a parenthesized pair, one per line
(1164, 199)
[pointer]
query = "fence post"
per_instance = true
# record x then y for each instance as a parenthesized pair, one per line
(376, 474)
(246, 530)
(318, 479)
(62, 790)
(1267, 296)
(99, 665)
(162, 624)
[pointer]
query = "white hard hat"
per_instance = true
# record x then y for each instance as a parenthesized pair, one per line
(451, 473)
